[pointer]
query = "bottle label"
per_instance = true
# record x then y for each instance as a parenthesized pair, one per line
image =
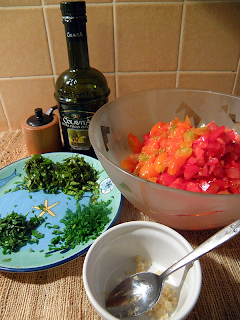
(75, 129)
(75, 32)
(75, 124)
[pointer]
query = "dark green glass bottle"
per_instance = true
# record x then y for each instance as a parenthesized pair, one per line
(80, 90)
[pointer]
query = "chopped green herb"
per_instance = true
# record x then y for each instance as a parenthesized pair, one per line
(57, 232)
(48, 255)
(46, 224)
(16, 189)
(31, 250)
(74, 176)
(30, 197)
(33, 240)
(7, 260)
(37, 234)
(16, 231)
(9, 190)
(86, 223)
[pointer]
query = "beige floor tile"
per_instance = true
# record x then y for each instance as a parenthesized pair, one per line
(147, 36)
(215, 81)
(24, 49)
(38, 93)
(99, 33)
(3, 120)
(133, 82)
(210, 37)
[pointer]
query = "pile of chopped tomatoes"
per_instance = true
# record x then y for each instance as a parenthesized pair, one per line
(178, 155)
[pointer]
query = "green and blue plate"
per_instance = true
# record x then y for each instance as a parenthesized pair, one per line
(23, 202)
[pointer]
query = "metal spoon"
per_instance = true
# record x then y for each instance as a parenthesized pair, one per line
(139, 293)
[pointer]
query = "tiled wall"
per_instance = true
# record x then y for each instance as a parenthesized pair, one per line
(137, 44)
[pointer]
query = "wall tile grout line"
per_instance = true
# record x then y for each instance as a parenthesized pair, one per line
(134, 72)
(235, 89)
(48, 39)
(180, 43)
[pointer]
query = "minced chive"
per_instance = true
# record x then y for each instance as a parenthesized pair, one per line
(86, 223)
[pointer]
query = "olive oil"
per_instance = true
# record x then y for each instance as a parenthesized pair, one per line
(81, 90)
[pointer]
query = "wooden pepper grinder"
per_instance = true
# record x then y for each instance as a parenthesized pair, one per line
(41, 132)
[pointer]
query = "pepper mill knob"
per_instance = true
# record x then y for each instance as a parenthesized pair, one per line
(39, 113)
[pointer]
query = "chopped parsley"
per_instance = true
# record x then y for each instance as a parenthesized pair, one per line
(16, 231)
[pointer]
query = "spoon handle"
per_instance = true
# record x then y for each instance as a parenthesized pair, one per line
(213, 242)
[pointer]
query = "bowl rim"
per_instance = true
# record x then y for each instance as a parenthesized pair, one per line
(153, 184)
(197, 266)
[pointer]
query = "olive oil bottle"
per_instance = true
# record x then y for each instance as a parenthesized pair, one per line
(81, 90)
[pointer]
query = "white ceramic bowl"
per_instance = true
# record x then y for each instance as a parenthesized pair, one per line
(137, 113)
(112, 256)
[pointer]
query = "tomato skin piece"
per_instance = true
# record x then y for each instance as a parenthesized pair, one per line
(157, 129)
(191, 186)
(175, 165)
(233, 173)
(189, 136)
(214, 134)
(148, 171)
(151, 148)
(200, 131)
(190, 170)
(129, 163)
(187, 120)
(138, 168)
(183, 125)
(134, 143)
(159, 162)
(183, 152)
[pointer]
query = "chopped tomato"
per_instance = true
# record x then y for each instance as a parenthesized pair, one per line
(151, 148)
(175, 165)
(160, 163)
(134, 143)
(148, 171)
(129, 163)
(157, 129)
(177, 155)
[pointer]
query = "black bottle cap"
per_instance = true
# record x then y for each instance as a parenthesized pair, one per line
(73, 11)
(39, 119)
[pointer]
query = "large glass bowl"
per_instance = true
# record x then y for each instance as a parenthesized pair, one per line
(137, 113)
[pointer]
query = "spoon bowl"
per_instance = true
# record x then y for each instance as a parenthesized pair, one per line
(132, 295)
(140, 292)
